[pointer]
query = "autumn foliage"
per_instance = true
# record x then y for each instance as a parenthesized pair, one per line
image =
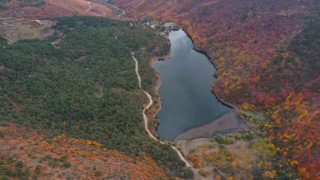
(64, 157)
(267, 59)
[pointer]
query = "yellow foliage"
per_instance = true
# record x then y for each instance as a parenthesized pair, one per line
(270, 174)
(293, 163)
(267, 125)
(89, 142)
(310, 145)
(265, 63)
(76, 126)
(271, 146)
(285, 55)
(275, 115)
(302, 170)
(286, 136)
(247, 106)
(234, 164)
(210, 157)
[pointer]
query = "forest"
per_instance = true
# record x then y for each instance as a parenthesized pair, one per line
(3, 4)
(267, 61)
(81, 82)
(33, 3)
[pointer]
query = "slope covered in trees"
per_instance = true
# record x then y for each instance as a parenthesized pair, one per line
(28, 154)
(82, 83)
(267, 58)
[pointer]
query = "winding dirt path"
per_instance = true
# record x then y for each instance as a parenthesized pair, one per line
(115, 7)
(145, 118)
(104, 14)
(89, 6)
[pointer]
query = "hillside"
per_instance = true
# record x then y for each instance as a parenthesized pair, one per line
(267, 59)
(33, 155)
(40, 9)
(79, 85)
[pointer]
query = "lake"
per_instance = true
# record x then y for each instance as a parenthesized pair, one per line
(185, 92)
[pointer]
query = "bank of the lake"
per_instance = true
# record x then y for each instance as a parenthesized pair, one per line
(156, 107)
(185, 91)
(227, 123)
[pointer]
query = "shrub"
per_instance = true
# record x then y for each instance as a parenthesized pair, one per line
(66, 165)
(203, 173)
(224, 139)
(98, 173)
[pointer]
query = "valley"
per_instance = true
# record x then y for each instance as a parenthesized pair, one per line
(267, 67)
(83, 86)
(82, 94)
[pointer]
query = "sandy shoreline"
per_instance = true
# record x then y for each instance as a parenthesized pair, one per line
(227, 123)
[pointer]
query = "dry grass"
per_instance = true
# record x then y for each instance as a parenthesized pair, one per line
(234, 160)
(17, 29)
(57, 8)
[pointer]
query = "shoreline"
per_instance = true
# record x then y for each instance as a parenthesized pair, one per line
(216, 77)
(226, 123)
(156, 107)
(215, 68)
(240, 120)
(146, 120)
(200, 50)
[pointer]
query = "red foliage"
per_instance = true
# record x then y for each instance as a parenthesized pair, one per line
(265, 53)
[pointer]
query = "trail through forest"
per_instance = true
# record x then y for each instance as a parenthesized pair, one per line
(145, 118)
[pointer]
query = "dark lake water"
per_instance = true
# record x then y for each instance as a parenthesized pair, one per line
(185, 92)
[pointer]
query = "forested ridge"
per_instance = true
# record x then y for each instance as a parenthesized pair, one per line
(81, 82)
(267, 61)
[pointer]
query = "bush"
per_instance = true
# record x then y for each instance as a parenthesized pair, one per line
(66, 164)
(224, 139)
(247, 135)
(37, 170)
(98, 173)
(203, 173)
(19, 164)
